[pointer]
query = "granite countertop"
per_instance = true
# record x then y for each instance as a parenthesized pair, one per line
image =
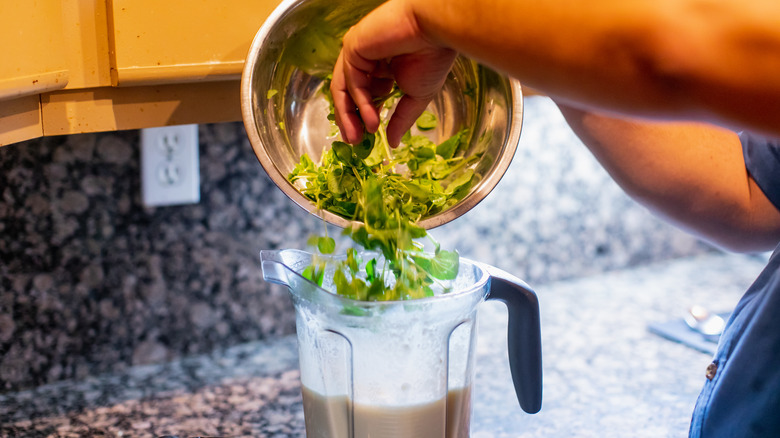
(605, 374)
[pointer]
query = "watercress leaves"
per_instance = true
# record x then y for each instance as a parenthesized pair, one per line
(387, 192)
(326, 245)
(448, 147)
(426, 121)
(314, 273)
(364, 148)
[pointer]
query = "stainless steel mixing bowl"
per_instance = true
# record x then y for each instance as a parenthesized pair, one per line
(285, 112)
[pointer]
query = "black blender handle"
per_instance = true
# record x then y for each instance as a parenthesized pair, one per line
(524, 336)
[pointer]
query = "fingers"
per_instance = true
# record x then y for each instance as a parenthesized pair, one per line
(370, 63)
(347, 118)
(352, 87)
(405, 115)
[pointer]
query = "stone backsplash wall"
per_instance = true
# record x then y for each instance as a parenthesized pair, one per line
(92, 281)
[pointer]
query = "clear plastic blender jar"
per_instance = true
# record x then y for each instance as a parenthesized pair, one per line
(402, 368)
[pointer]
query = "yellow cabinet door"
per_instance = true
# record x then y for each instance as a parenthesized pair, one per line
(174, 41)
(33, 61)
(33, 52)
(85, 32)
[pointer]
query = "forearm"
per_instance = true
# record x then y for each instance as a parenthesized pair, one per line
(692, 175)
(714, 60)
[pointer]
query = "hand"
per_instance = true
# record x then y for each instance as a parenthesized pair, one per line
(384, 47)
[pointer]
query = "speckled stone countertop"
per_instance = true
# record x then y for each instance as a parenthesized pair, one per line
(605, 374)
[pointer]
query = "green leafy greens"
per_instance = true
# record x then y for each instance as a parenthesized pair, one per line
(386, 192)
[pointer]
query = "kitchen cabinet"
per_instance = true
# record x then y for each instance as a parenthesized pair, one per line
(33, 55)
(33, 62)
(200, 39)
(99, 65)
(20, 119)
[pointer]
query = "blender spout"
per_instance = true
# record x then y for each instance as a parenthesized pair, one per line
(274, 269)
(524, 336)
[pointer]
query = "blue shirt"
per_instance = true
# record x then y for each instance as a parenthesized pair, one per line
(741, 396)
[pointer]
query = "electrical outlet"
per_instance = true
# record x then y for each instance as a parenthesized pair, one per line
(170, 172)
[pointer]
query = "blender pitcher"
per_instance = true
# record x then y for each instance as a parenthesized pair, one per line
(402, 369)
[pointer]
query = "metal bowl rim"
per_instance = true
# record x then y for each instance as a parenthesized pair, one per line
(514, 122)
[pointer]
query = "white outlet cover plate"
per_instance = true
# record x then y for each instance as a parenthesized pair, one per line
(170, 173)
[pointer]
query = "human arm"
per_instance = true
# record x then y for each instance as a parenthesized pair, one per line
(706, 60)
(691, 174)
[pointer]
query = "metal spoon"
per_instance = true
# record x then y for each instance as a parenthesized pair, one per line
(709, 324)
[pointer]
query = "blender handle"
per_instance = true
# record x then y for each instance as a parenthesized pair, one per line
(524, 336)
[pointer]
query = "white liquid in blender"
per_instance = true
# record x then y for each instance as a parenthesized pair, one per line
(328, 417)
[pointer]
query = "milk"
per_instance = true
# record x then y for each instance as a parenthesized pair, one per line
(328, 417)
